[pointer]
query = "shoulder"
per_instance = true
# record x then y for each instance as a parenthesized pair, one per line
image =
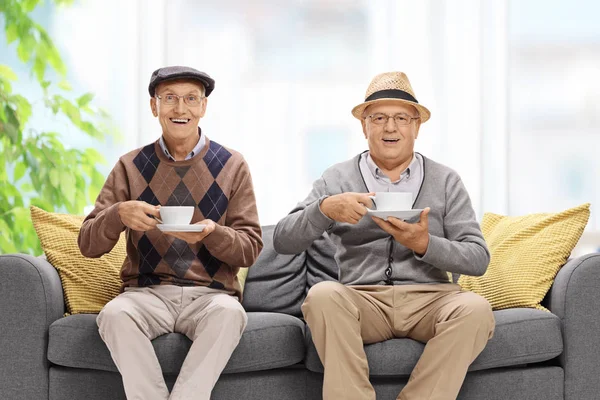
(442, 177)
(223, 153)
(434, 169)
(222, 158)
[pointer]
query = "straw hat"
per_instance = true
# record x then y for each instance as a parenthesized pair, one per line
(391, 86)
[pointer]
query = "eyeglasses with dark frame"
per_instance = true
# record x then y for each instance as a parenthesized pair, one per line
(400, 119)
(191, 100)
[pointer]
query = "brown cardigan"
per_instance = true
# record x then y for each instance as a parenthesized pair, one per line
(217, 182)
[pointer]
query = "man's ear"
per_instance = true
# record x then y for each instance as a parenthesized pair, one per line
(154, 106)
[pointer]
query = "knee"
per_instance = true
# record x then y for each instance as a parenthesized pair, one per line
(113, 316)
(478, 313)
(322, 296)
(232, 314)
(109, 314)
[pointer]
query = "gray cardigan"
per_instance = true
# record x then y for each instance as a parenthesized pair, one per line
(364, 251)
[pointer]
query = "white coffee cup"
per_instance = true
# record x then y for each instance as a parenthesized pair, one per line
(176, 215)
(392, 201)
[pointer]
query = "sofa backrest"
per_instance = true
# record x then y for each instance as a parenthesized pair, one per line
(279, 283)
(275, 282)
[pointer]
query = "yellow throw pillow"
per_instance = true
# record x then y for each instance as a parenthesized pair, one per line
(242, 275)
(526, 254)
(88, 283)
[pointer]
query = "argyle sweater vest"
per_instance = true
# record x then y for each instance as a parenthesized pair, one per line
(217, 182)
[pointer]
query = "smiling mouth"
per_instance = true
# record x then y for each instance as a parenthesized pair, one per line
(180, 121)
(391, 140)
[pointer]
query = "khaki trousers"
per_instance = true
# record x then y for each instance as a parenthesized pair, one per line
(455, 326)
(212, 319)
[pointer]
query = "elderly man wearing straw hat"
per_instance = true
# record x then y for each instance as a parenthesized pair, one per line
(393, 275)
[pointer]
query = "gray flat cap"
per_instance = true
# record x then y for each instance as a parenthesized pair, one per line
(177, 72)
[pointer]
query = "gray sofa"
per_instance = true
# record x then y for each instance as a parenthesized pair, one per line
(534, 355)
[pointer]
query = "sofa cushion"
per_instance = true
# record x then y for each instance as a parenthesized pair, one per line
(526, 254)
(276, 282)
(269, 341)
(522, 336)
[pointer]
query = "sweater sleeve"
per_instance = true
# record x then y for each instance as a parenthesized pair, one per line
(101, 229)
(463, 249)
(239, 241)
(304, 224)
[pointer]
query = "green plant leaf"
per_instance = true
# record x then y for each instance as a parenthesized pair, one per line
(10, 190)
(12, 127)
(54, 178)
(7, 73)
(56, 62)
(6, 243)
(49, 52)
(41, 203)
(18, 200)
(25, 47)
(53, 103)
(67, 184)
(20, 169)
(70, 111)
(88, 110)
(64, 2)
(27, 187)
(90, 129)
(29, 5)
(93, 156)
(65, 85)
(39, 67)
(85, 99)
(11, 33)
(4, 226)
(12, 131)
(5, 87)
(23, 109)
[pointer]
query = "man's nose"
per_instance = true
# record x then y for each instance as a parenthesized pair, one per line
(390, 125)
(180, 107)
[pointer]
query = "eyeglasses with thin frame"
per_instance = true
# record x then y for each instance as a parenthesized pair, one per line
(400, 119)
(191, 100)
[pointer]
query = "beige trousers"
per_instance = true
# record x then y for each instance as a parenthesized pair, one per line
(455, 326)
(212, 319)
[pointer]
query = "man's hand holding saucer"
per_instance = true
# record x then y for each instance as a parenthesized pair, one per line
(194, 237)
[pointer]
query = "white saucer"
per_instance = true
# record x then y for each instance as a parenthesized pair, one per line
(181, 228)
(400, 214)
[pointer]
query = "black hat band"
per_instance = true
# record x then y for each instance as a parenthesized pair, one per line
(392, 94)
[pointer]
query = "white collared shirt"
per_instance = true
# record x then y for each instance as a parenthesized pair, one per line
(196, 150)
(376, 181)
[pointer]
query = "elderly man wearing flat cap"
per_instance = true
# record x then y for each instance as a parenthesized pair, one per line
(176, 281)
(393, 275)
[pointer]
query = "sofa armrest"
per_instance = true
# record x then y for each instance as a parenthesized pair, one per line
(31, 298)
(575, 299)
